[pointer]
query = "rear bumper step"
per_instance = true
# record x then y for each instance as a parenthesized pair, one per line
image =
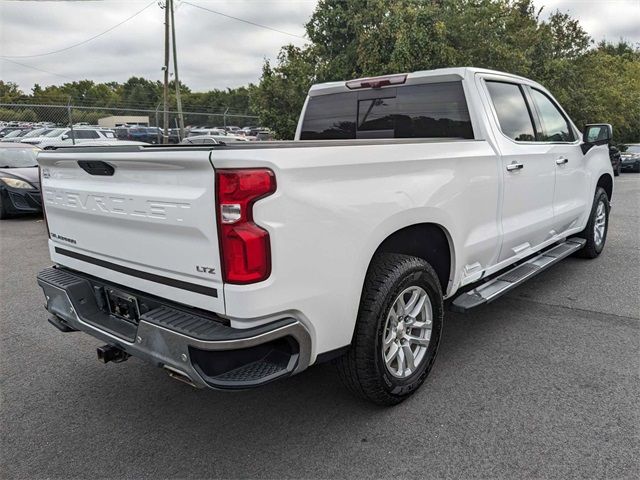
(196, 349)
(492, 289)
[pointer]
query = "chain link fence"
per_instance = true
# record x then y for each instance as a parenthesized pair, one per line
(64, 115)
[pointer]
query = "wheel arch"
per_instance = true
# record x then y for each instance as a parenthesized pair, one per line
(606, 182)
(429, 241)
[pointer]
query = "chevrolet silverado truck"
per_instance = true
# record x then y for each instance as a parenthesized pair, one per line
(230, 266)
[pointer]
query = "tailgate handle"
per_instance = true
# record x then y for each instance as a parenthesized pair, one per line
(96, 167)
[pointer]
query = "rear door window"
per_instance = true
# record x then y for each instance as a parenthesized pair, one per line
(437, 110)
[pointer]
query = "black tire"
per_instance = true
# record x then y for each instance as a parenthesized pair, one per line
(593, 248)
(363, 369)
(616, 172)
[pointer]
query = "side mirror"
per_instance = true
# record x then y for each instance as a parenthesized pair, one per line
(65, 137)
(596, 134)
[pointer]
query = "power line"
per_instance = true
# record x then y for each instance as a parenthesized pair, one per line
(245, 21)
(84, 41)
(36, 68)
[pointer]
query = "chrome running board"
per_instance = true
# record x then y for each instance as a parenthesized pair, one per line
(498, 286)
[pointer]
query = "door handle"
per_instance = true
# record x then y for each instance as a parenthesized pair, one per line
(562, 161)
(515, 166)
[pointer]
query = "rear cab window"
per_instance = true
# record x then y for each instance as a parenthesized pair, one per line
(432, 110)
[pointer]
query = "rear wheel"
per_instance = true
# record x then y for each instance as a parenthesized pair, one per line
(596, 231)
(397, 331)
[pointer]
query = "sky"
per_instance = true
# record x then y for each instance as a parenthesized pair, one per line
(214, 51)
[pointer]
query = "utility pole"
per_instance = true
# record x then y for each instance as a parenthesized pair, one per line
(165, 93)
(175, 71)
(73, 134)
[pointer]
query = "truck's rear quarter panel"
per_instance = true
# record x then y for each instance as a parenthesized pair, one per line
(336, 202)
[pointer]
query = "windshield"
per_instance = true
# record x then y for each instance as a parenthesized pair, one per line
(633, 149)
(18, 157)
(56, 132)
(13, 134)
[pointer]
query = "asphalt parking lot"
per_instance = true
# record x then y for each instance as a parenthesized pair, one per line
(542, 383)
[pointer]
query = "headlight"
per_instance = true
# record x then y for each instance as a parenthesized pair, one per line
(15, 183)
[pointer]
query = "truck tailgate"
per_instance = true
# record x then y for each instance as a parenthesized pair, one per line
(144, 220)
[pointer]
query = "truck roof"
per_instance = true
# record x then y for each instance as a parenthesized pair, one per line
(414, 78)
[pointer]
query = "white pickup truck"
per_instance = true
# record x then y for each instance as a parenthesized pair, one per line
(234, 265)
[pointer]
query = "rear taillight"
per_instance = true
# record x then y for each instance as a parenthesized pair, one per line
(246, 251)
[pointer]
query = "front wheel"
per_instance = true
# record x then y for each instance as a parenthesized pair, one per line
(596, 231)
(397, 332)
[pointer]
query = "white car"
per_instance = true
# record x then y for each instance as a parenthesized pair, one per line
(38, 132)
(196, 132)
(231, 266)
(66, 136)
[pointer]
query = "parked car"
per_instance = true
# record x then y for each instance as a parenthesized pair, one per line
(255, 130)
(144, 134)
(631, 158)
(66, 136)
(193, 132)
(264, 136)
(201, 139)
(36, 132)
(616, 161)
(4, 131)
(19, 182)
(15, 135)
(235, 265)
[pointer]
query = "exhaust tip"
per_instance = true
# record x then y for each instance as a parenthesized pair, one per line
(180, 376)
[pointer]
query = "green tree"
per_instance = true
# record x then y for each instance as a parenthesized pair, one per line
(9, 92)
(280, 96)
(138, 91)
(603, 85)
